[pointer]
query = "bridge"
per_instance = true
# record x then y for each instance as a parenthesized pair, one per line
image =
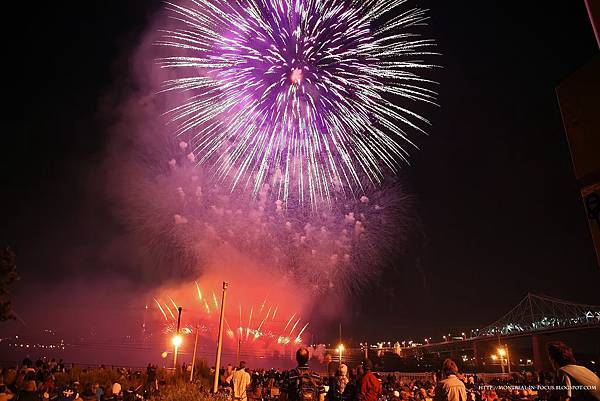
(534, 316)
(540, 313)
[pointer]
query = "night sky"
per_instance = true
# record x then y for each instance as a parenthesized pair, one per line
(499, 208)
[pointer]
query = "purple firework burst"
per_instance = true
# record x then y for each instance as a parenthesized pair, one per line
(310, 97)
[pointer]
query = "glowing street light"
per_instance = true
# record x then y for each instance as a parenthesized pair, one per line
(177, 341)
(504, 357)
(340, 349)
(495, 357)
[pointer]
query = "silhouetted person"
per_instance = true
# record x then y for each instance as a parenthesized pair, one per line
(370, 386)
(240, 380)
(301, 383)
(29, 392)
(341, 389)
(569, 374)
(450, 388)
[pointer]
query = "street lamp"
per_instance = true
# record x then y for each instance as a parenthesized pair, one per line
(340, 349)
(220, 338)
(177, 339)
(504, 357)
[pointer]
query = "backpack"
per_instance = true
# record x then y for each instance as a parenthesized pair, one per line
(305, 385)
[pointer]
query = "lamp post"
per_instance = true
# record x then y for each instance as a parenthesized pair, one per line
(220, 338)
(177, 340)
(503, 352)
(194, 354)
(340, 350)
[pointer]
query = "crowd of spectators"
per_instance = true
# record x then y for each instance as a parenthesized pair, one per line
(53, 380)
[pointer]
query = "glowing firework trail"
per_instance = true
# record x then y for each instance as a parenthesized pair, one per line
(161, 309)
(215, 301)
(229, 331)
(298, 94)
(275, 312)
(198, 290)
(206, 306)
(262, 306)
(301, 331)
(249, 322)
(241, 329)
(173, 302)
(170, 311)
(288, 323)
(294, 327)
(257, 334)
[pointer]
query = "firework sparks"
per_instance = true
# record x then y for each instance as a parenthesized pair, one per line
(298, 94)
(256, 330)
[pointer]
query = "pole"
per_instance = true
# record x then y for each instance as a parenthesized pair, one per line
(194, 354)
(366, 350)
(177, 334)
(237, 355)
(220, 339)
(507, 357)
(340, 346)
